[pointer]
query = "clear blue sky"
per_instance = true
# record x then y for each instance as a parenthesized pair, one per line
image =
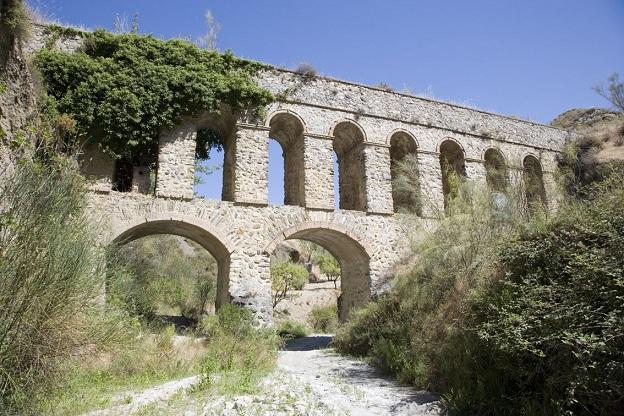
(529, 58)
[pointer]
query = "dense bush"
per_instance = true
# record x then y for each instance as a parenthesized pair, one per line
(324, 319)
(290, 329)
(286, 276)
(50, 276)
(558, 310)
(124, 89)
(509, 317)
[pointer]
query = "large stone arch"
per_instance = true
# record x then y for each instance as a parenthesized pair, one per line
(202, 234)
(350, 251)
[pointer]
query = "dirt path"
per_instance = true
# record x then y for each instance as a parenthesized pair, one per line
(309, 380)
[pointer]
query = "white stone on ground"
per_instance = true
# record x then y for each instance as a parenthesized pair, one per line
(307, 381)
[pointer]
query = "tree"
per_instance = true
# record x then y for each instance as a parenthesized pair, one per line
(613, 92)
(330, 268)
(285, 276)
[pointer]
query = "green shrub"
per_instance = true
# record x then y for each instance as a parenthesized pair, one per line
(324, 319)
(330, 267)
(290, 329)
(143, 359)
(509, 317)
(50, 276)
(558, 310)
(286, 276)
(238, 353)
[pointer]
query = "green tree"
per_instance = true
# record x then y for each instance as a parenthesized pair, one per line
(285, 276)
(329, 267)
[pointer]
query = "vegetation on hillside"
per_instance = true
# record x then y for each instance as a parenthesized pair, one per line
(507, 315)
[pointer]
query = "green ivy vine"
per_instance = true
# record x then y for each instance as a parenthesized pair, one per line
(123, 89)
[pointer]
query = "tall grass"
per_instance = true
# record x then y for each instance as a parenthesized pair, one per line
(50, 277)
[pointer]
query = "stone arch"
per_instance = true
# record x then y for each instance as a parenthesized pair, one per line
(287, 128)
(276, 113)
(348, 142)
(496, 172)
(352, 254)
(533, 178)
(203, 235)
(452, 162)
(406, 194)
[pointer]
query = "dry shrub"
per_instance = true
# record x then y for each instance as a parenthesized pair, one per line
(50, 276)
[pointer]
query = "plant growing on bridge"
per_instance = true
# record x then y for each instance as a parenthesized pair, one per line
(285, 276)
(123, 90)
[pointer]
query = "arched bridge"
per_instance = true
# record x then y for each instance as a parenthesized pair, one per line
(368, 130)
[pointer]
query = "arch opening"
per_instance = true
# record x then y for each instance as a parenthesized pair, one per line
(210, 242)
(453, 168)
(215, 154)
(533, 177)
(496, 174)
(404, 173)
(349, 147)
(352, 258)
(287, 130)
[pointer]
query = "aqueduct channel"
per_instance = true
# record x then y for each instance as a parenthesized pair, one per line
(369, 130)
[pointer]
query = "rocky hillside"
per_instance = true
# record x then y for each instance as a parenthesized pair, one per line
(17, 90)
(602, 131)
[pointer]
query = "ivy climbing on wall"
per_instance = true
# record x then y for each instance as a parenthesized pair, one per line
(123, 89)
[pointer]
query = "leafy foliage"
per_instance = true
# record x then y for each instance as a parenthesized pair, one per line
(329, 267)
(238, 354)
(285, 276)
(159, 272)
(290, 329)
(324, 319)
(124, 89)
(502, 316)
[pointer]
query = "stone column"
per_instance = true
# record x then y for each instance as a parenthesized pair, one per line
(430, 173)
(250, 284)
(247, 166)
(475, 170)
(378, 179)
(176, 162)
(318, 173)
(551, 188)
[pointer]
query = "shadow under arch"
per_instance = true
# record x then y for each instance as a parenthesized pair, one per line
(352, 255)
(217, 246)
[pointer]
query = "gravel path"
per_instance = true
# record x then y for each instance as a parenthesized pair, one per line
(310, 379)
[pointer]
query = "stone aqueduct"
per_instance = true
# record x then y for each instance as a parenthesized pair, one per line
(369, 129)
